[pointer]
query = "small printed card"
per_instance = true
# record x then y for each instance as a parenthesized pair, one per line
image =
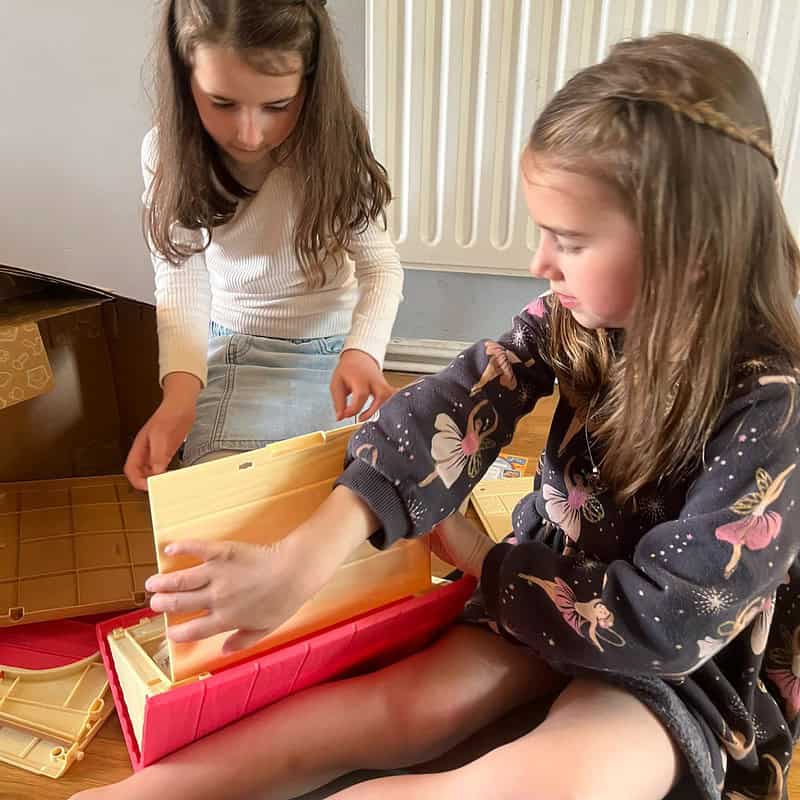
(506, 466)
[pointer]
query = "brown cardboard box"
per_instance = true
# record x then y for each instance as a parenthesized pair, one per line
(78, 378)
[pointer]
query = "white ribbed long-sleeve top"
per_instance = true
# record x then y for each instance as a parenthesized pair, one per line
(249, 280)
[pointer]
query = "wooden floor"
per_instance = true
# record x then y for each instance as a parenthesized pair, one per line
(106, 758)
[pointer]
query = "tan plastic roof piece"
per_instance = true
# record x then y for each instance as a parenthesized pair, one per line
(259, 497)
(494, 502)
(47, 717)
(72, 547)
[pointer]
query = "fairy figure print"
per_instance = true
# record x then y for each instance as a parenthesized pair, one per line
(761, 626)
(577, 614)
(501, 365)
(784, 671)
(758, 526)
(536, 308)
(565, 510)
(789, 380)
(736, 744)
(453, 451)
(760, 609)
(367, 453)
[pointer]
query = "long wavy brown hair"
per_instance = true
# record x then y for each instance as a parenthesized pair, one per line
(344, 187)
(677, 126)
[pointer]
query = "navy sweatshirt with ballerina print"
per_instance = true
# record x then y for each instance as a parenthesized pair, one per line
(695, 583)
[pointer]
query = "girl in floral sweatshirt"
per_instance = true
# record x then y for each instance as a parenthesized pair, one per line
(652, 577)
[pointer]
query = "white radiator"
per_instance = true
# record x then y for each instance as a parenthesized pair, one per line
(453, 87)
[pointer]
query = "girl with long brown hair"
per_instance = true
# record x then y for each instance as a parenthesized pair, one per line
(652, 579)
(275, 277)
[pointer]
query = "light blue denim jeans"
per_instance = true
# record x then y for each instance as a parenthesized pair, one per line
(262, 390)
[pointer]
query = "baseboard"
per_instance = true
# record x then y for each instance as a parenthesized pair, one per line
(421, 355)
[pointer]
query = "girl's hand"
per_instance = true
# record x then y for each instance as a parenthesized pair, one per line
(162, 435)
(461, 543)
(256, 588)
(358, 376)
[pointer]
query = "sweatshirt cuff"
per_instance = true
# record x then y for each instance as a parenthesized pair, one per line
(490, 578)
(182, 361)
(372, 347)
(381, 496)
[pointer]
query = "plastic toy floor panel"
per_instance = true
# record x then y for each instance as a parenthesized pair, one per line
(72, 547)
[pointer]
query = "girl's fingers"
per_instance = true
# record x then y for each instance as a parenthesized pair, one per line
(380, 394)
(365, 415)
(242, 639)
(136, 464)
(197, 628)
(339, 396)
(184, 580)
(180, 603)
(357, 399)
(201, 549)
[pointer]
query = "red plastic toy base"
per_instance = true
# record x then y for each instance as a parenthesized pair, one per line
(47, 645)
(184, 714)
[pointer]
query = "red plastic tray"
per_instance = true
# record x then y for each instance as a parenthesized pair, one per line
(186, 713)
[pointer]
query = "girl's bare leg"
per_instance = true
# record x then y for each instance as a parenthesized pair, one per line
(404, 714)
(597, 743)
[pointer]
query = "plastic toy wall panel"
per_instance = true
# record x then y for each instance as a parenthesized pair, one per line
(259, 497)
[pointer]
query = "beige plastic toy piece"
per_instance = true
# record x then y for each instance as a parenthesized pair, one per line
(494, 501)
(72, 547)
(142, 664)
(259, 497)
(47, 717)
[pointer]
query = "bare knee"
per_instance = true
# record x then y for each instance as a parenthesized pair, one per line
(420, 725)
(468, 680)
(575, 752)
(542, 770)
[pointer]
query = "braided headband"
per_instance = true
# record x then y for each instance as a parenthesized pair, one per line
(703, 113)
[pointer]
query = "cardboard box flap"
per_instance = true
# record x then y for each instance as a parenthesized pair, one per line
(15, 282)
(14, 285)
(27, 300)
(77, 380)
(29, 297)
(52, 301)
(25, 370)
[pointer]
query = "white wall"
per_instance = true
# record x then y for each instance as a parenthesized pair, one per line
(74, 113)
